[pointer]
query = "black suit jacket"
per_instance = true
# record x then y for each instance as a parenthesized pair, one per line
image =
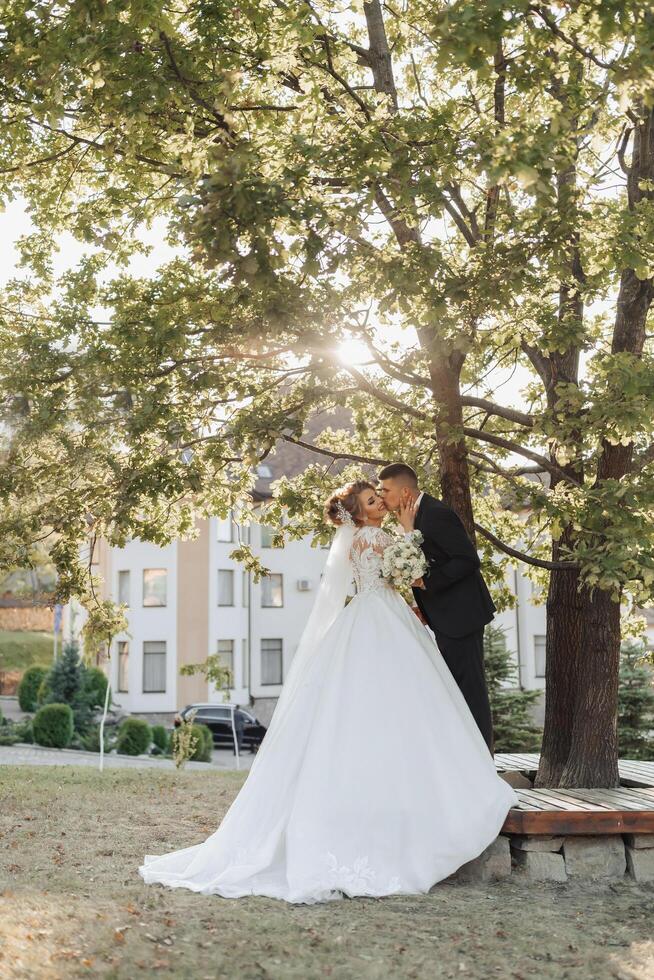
(455, 600)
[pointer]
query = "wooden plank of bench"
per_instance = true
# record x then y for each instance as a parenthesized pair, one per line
(565, 822)
(636, 772)
(566, 800)
(639, 793)
(515, 762)
(611, 799)
(642, 793)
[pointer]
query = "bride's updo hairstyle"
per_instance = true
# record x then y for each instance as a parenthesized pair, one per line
(344, 503)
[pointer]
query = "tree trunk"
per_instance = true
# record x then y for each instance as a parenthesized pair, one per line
(563, 643)
(593, 756)
(583, 675)
(454, 472)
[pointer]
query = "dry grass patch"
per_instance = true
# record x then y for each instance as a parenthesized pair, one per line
(72, 903)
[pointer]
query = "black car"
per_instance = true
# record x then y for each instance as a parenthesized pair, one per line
(218, 717)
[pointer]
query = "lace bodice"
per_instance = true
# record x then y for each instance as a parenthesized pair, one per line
(368, 547)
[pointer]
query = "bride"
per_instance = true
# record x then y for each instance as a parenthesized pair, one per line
(373, 778)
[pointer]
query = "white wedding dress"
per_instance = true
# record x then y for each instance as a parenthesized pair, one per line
(372, 779)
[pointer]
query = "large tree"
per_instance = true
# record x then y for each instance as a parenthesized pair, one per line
(478, 176)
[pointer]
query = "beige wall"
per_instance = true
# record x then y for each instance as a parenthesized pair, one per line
(193, 613)
(39, 618)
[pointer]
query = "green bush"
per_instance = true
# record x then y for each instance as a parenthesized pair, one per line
(95, 686)
(91, 741)
(160, 737)
(9, 735)
(69, 681)
(204, 744)
(134, 737)
(635, 704)
(28, 689)
(44, 692)
(53, 725)
(510, 704)
(24, 730)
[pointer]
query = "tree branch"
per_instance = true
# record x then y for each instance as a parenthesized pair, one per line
(512, 414)
(521, 556)
(571, 41)
(372, 460)
(514, 447)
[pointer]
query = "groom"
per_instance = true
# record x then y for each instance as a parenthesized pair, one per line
(453, 599)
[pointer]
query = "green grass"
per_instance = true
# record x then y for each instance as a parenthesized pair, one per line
(20, 649)
(72, 904)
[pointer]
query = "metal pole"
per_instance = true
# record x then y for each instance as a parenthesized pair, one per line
(238, 758)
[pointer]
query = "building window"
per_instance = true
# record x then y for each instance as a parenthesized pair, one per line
(154, 667)
(272, 590)
(154, 586)
(539, 656)
(267, 534)
(271, 661)
(245, 583)
(225, 651)
(225, 587)
(226, 528)
(123, 666)
(123, 588)
(245, 673)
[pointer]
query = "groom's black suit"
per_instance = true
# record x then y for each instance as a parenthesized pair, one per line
(456, 603)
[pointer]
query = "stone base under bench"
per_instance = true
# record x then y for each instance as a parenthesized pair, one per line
(576, 857)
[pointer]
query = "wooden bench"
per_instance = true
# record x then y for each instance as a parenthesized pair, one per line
(633, 772)
(582, 811)
(629, 808)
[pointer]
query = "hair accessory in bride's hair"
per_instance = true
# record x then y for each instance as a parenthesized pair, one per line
(343, 515)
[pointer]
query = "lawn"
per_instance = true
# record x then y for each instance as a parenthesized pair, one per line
(72, 903)
(20, 649)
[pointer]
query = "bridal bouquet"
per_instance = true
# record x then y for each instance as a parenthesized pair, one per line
(404, 561)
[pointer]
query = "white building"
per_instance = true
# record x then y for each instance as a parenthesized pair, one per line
(190, 599)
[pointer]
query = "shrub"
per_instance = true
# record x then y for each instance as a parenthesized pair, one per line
(510, 704)
(28, 689)
(69, 681)
(24, 730)
(184, 740)
(53, 725)
(65, 680)
(44, 691)
(95, 686)
(9, 735)
(635, 704)
(203, 746)
(160, 737)
(91, 741)
(134, 737)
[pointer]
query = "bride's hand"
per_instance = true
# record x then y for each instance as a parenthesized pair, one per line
(407, 510)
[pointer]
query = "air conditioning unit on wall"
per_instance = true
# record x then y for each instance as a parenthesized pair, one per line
(304, 585)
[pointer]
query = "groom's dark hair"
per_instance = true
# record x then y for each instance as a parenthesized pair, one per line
(402, 470)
